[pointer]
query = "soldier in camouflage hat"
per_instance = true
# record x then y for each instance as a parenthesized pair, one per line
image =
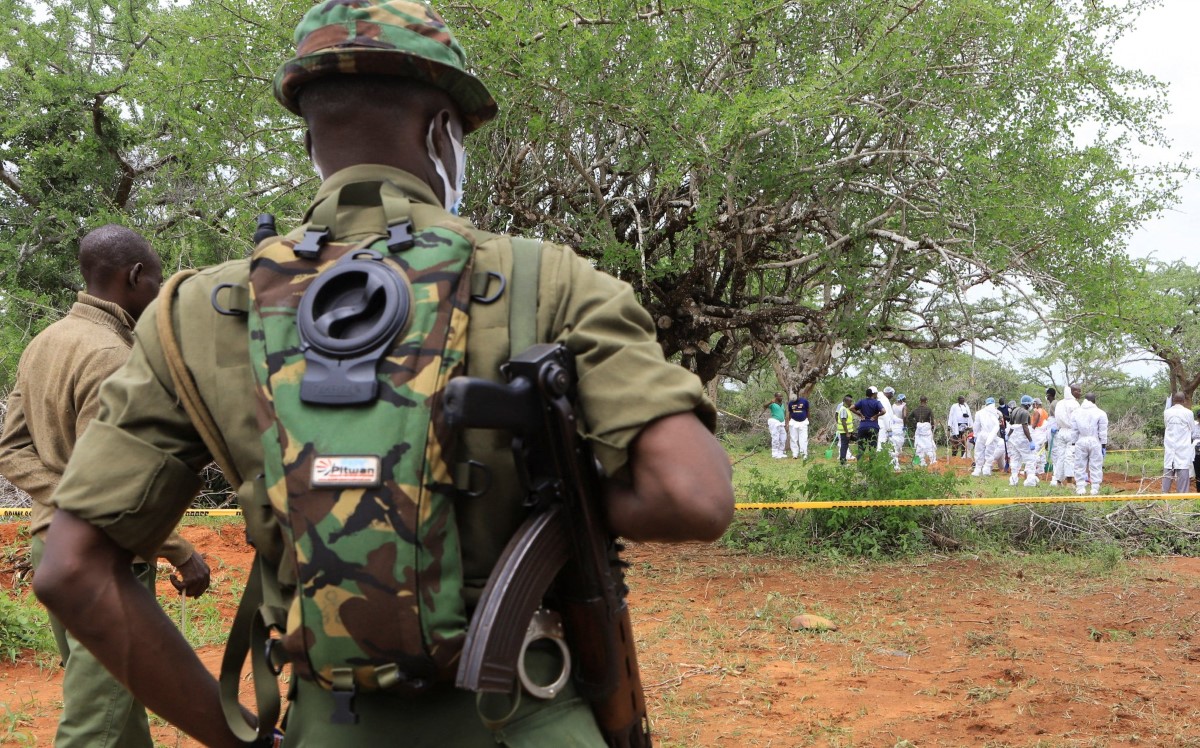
(402, 39)
(386, 99)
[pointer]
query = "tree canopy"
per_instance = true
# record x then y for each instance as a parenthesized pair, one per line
(808, 179)
(791, 183)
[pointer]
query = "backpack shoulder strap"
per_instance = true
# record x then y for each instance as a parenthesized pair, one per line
(185, 384)
(523, 290)
(262, 606)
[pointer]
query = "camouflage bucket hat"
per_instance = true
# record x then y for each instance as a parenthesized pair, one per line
(400, 38)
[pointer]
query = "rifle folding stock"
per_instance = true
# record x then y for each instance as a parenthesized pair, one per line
(563, 553)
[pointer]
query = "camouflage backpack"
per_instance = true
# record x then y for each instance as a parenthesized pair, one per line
(350, 344)
(440, 296)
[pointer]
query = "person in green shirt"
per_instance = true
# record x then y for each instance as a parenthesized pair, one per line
(776, 426)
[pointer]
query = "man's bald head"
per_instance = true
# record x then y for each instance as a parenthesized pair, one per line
(1076, 391)
(120, 266)
(1178, 398)
(109, 252)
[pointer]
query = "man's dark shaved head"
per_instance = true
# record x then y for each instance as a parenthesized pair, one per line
(343, 96)
(112, 250)
(381, 120)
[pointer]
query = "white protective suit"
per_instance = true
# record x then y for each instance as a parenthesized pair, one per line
(1022, 455)
(958, 422)
(896, 432)
(1041, 434)
(923, 443)
(987, 432)
(1091, 435)
(797, 431)
(778, 438)
(885, 418)
(1064, 440)
(1178, 451)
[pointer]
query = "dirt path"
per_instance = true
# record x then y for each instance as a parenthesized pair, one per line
(944, 652)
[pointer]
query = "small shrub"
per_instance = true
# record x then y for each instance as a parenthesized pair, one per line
(874, 531)
(24, 626)
(849, 531)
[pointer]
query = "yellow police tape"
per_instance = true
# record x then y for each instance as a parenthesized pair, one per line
(962, 501)
(188, 513)
(968, 501)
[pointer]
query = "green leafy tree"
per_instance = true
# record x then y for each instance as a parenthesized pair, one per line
(792, 183)
(806, 178)
(142, 112)
(1160, 310)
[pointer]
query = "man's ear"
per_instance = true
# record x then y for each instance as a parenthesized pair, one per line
(442, 121)
(135, 274)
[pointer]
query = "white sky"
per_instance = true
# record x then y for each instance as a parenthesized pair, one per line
(1164, 44)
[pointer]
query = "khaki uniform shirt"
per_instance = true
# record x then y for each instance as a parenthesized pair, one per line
(55, 398)
(144, 436)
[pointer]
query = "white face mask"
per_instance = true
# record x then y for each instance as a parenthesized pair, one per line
(453, 191)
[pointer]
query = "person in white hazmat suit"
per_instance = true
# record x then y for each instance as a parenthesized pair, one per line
(1091, 442)
(1178, 452)
(896, 429)
(1022, 447)
(958, 424)
(923, 444)
(987, 431)
(1064, 438)
(885, 418)
(1000, 448)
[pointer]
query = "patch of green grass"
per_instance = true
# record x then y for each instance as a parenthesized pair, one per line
(13, 725)
(199, 618)
(24, 626)
(984, 694)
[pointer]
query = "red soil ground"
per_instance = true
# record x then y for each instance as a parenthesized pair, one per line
(947, 651)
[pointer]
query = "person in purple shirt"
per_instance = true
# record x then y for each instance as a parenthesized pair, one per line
(868, 409)
(797, 426)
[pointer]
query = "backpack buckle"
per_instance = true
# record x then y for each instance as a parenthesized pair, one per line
(400, 236)
(310, 245)
(343, 692)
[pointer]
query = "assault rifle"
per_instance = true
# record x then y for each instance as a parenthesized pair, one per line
(563, 552)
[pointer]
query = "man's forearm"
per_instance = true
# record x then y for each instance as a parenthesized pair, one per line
(85, 580)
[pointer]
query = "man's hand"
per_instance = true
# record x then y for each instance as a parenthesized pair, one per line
(193, 576)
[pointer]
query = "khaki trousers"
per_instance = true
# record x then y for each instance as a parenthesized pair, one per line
(97, 710)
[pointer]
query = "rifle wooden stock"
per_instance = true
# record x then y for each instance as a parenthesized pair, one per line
(621, 713)
(563, 553)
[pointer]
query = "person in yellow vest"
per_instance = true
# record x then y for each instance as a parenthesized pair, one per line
(843, 418)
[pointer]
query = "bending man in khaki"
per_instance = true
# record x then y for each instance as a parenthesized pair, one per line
(55, 398)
